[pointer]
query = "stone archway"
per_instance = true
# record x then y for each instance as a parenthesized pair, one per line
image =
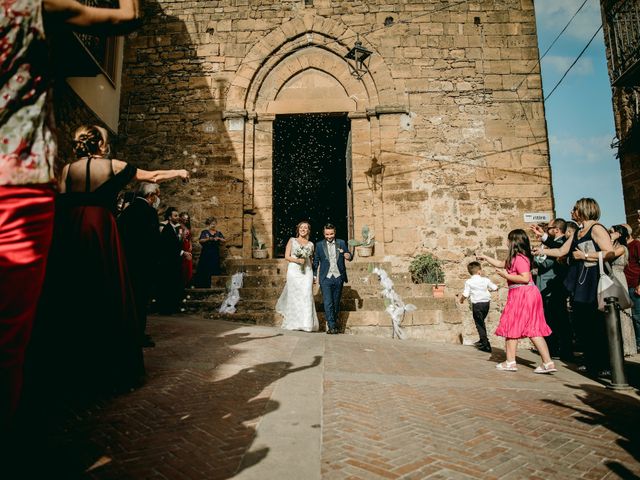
(300, 68)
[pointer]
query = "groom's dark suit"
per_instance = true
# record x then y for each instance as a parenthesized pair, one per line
(330, 285)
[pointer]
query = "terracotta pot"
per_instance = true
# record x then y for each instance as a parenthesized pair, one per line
(364, 251)
(260, 253)
(438, 291)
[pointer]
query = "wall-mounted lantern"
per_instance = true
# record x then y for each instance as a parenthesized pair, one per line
(375, 174)
(358, 60)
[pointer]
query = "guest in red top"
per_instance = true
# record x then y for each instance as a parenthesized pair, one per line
(632, 273)
(187, 262)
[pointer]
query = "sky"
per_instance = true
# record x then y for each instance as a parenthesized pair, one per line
(579, 113)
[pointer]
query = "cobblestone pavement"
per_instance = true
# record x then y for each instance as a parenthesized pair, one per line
(225, 400)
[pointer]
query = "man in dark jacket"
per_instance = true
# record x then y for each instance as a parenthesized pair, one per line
(139, 229)
(549, 280)
(170, 286)
(329, 268)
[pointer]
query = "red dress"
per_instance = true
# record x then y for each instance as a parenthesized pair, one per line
(187, 264)
(523, 315)
(86, 333)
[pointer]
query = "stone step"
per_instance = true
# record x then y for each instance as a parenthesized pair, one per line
(354, 304)
(205, 293)
(254, 279)
(279, 266)
(359, 292)
(278, 280)
(252, 262)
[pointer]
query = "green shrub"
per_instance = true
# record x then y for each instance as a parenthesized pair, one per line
(426, 268)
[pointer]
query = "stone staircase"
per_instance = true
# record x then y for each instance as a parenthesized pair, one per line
(362, 305)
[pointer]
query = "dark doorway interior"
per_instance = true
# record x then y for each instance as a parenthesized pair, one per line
(309, 175)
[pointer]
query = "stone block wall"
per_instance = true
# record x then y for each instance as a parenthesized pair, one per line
(626, 114)
(451, 106)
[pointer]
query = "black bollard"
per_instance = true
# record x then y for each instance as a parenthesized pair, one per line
(614, 336)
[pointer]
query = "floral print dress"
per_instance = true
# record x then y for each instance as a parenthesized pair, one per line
(27, 144)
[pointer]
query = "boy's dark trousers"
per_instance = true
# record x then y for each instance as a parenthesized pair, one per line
(480, 311)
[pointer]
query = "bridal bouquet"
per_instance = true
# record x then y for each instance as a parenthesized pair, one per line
(303, 252)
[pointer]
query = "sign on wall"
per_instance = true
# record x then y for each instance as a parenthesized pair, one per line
(537, 217)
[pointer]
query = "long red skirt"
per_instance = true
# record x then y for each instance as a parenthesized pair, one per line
(26, 227)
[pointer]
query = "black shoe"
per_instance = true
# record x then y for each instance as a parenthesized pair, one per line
(485, 348)
(330, 331)
(478, 344)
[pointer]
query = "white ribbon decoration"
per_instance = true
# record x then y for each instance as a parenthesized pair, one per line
(396, 307)
(229, 304)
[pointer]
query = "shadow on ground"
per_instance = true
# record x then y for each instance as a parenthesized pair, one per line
(190, 420)
(617, 412)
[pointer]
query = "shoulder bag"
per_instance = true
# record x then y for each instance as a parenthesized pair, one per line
(610, 286)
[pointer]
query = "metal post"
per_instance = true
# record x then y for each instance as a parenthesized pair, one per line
(614, 336)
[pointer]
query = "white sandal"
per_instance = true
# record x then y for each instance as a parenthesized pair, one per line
(507, 366)
(546, 368)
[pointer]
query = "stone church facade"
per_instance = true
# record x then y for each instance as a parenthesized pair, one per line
(443, 146)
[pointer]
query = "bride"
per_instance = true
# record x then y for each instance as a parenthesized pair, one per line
(296, 303)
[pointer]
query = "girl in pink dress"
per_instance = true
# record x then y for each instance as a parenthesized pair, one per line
(523, 315)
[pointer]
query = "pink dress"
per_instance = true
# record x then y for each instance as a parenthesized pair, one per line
(523, 315)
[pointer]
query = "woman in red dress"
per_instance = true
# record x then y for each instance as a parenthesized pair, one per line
(94, 340)
(187, 261)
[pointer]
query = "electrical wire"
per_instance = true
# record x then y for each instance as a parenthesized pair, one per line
(573, 64)
(552, 44)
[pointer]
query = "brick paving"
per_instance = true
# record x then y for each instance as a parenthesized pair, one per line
(225, 400)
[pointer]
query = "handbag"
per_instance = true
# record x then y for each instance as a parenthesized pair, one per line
(610, 286)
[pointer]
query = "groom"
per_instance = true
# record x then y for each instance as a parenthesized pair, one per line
(330, 256)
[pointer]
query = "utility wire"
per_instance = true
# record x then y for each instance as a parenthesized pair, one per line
(552, 44)
(574, 62)
(517, 87)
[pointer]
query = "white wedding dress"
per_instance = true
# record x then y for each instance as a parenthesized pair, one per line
(296, 303)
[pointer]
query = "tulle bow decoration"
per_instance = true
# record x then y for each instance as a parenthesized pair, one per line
(233, 297)
(395, 307)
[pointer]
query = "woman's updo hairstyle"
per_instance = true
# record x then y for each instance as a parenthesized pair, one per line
(90, 140)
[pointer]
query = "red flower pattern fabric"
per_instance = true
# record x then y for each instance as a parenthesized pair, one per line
(27, 144)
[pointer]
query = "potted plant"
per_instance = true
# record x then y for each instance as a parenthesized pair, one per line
(426, 268)
(259, 248)
(364, 247)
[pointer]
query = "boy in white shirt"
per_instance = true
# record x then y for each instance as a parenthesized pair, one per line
(477, 289)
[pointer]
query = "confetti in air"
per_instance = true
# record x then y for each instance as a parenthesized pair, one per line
(309, 173)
